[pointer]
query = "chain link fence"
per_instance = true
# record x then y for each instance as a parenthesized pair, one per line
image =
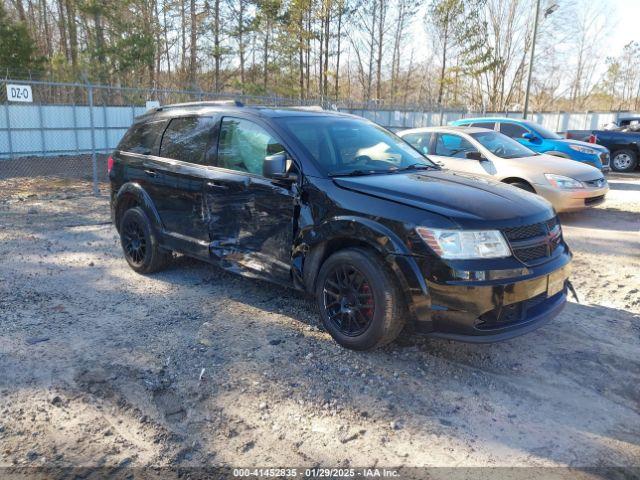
(65, 131)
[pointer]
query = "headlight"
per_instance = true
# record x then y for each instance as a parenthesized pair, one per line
(581, 149)
(562, 182)
(465, 244)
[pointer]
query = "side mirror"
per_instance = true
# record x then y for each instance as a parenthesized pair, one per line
(475, 155)
(529, 136)
(276, 167)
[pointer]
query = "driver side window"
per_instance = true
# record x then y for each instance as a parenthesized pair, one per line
(242, 145)
(450, 145)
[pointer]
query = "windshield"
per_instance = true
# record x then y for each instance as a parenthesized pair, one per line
(346, 146)
(501, 145)
(543, 132)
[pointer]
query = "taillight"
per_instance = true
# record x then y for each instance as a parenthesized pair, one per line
(109, 164)
(593, 138)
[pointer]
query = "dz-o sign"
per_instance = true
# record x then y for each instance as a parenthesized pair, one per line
(19, 93)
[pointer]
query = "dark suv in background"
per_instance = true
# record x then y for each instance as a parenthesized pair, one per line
(336, 206)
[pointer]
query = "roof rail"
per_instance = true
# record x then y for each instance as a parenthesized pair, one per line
(310, 108)
(213, 103)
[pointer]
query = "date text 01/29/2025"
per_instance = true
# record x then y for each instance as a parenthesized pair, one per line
(316, 472)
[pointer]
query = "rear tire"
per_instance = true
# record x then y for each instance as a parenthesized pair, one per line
(359, 299)
(624, 160)
(140, 243)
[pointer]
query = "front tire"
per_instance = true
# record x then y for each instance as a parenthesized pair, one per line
(359, 299)
(624, 160)
(140, 243)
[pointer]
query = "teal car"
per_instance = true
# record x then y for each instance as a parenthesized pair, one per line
(541, 140)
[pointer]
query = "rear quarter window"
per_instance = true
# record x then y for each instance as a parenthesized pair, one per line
(142, 137)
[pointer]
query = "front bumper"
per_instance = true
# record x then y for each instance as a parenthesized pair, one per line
(492, 311)
(572, 200)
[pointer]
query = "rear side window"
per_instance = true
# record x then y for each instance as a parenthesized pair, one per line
(489, 125)
(420, 141)
(512, 130)
(186, 139)
(141, 138)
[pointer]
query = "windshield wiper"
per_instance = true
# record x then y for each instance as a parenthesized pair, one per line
(357, 173)
(417, 166)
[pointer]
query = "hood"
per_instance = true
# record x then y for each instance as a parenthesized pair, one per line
(469, 200)
(560, 166)
(593, 146)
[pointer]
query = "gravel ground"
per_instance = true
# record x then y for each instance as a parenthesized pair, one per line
(106, 369)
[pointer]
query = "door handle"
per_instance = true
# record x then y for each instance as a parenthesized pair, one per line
(151, 173)
(216, 186)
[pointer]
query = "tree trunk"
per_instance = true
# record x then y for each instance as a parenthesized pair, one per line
(100, 45)
(381, 19)
(308, 54)
(44, 15)
(321, 56)
(73, 34)
(20, 8)
(265, 58)
(337, 80)
(241, 46)
(193, 61)
(301, 54)
(444, 64)
(166, 40)
(216, 45)
(327, 20)
(372, 43)
(154, 63)
(183, 24)
(62, 27)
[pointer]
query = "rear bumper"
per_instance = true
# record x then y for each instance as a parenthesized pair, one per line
(492, 311)
(572, 200)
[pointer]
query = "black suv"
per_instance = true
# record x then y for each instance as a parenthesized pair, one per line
(336, 206)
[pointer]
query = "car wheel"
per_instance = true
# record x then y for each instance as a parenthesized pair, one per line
(140, 244)
(523, 186)
(624, 160)
(359, 299)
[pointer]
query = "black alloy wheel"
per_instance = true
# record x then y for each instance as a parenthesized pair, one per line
(359, 298)
(140, 243)
(348, 300)
(134, 241)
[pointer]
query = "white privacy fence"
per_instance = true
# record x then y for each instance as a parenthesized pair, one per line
(50, 128)
(555, 121)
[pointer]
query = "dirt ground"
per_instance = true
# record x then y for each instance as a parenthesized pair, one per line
(106, 369)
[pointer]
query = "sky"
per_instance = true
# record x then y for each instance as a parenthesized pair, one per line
(624, 27)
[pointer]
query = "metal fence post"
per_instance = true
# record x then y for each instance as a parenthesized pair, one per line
(42, 135)
(7, 117)
(94, 160)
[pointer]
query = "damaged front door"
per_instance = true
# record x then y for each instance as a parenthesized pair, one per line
(250, 217)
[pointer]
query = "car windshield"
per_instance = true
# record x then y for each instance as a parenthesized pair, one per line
(501, 145)
(543, 132)
(346, 146)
